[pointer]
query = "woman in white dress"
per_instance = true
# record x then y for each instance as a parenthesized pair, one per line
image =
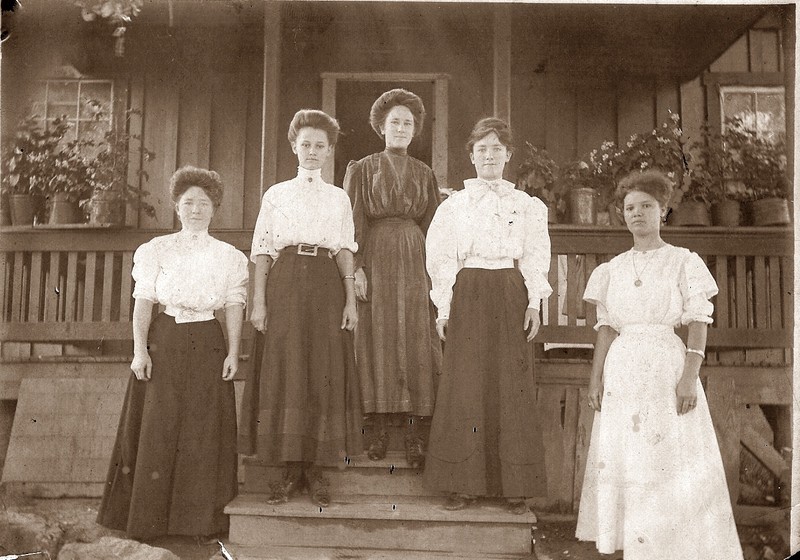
(654, 485)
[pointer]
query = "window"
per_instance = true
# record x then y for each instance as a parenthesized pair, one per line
(88, 105)
(762, 109)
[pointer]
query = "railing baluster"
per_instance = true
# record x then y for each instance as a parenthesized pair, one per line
(125, 287)
(36, 288)
(71, 286)
(552, 302)
(108, 278)
(51, 294)
(16, 288)
(775, 310)
(88, 287)
(760, 292)
(572, 290)
(723, 319)
(741, 293)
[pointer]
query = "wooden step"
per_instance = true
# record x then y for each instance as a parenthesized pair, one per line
(359, 476)
(412, 523)
(305, 553)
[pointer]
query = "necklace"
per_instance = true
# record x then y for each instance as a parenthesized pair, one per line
(638, 275)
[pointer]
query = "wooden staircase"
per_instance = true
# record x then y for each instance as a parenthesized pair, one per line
(379, 510)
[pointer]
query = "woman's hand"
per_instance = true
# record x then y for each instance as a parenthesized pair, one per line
(595, 392)
(258, 317)
(142, 366)
(441, 328)
(686, 392)
(532, 321)
(230, 367)
(349, 316)
(361, 284)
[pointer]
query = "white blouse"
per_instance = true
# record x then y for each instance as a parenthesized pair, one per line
(307, 210)
(488, 225)
(191, 274)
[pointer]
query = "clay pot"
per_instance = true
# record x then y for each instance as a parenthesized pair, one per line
(583, 206)
(691, 213)
(727, 213)
(770, 212)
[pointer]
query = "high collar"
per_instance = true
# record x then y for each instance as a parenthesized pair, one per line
(396, 151)
(309, 176)
(193, 236)
(479, 187)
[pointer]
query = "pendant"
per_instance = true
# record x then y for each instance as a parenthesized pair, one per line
(637, 283)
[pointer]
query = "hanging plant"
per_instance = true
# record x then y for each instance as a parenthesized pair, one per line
(118, 13)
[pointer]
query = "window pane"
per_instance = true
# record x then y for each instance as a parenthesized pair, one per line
(62, 92)
(94, 131)
(771, 114)
(736, 104)
(94, 97)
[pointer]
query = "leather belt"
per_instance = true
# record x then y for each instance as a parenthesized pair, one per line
(306, 250)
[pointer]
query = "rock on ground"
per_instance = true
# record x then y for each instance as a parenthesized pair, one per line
(27, 532)
(111, 547)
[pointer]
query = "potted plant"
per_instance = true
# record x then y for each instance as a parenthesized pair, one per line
(583, 188)
(39, 165)
(537, 175)
(112, 192)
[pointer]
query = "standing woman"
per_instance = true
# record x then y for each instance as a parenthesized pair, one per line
(398, 354)
(305, 394)
(173, 468)
(488, 257)
(654, 485)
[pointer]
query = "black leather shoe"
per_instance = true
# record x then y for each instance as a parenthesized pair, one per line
(415, 451)
(456, 502)
(517, 507)
(318, 488)
(377, 447)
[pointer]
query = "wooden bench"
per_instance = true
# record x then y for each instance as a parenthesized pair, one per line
(71, 288)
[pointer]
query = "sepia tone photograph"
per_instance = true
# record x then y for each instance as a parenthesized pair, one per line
(397, 280)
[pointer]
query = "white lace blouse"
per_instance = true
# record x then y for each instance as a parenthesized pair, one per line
(305, 209)
(192, 275)
(488, 225)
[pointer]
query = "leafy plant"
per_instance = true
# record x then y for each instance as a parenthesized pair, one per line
(41, 162)
(538, 174)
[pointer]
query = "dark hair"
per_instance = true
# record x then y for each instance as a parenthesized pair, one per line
(314, 118)
(190, 176)
(653, 182)
(392, 98)
(485, 127)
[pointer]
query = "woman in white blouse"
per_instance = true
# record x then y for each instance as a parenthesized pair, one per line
(302, 405)
(488, 254)
(173, 468)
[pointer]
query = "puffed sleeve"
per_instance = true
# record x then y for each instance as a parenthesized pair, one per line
(354, 183)
(697, 288)
(597, 292)
(434, 198)
(441, 247)
(263, 240)
(145, 271)
(347, 235)
(535, 261)
(236, 291)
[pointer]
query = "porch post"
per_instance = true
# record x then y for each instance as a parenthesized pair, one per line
(502, 62)
(270, 109)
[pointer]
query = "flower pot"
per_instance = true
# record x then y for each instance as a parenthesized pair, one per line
(24, 208)
(552, 213)
(107, 209)
(63, 210)
(770, 212)
(582, 206)
(691, 213)
(726, 213)
(5, 211)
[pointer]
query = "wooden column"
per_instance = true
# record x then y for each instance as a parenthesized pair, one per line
(329, 106)
(502, 63)
(270, 111)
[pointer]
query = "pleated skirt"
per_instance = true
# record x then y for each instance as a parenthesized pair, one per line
(173, 467)
(302, 400)
(398, 353)
(485, 437)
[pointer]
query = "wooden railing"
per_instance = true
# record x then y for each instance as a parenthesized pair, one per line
(73, 285)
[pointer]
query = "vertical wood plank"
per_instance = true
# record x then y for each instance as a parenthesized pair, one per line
(135, 124)
(692, 109)
(440, 133)
(51, 296)
(787, 282)
(569, 440)
(760, 290)
(88, 287)
(252, 165)
(16, 288)
(589, 310)
(329, 106)
(502, 62)
(723, 404)
(5, 274)
(764, 50)
(561, 117)
(126, 290)
(775, 310)
(572, 289)
(735, 59)
(667, 100)
(71, 286)
(723, 319)
(550, 397)
(36, 287)
(635, 107)
(583, 437)
(194, 125)
(552, 301)
(228, 125)
(270, 105)
(108, 278)
(741, 293)
(597, 115)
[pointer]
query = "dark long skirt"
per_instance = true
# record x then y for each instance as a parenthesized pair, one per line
(173, 468)
(485, 435)
(303, 402)
(398, 352)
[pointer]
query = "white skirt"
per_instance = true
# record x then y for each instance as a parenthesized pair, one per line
(654, 484)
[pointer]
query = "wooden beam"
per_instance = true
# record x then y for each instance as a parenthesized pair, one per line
(763, 450)
(270, 106)
(502, 62)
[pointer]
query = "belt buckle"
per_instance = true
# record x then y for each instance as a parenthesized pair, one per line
(307, 250)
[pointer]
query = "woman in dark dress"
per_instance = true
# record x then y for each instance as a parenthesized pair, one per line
(303, 399)
(173, 468)
(488, 257)
(398, 354)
